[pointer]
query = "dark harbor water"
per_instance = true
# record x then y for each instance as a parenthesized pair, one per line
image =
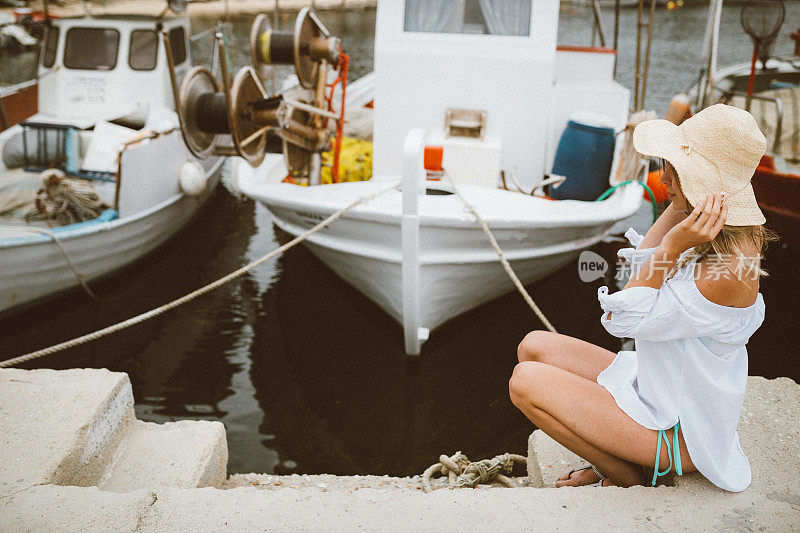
(309, 376)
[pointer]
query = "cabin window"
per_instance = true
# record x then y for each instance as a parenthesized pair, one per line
(143, 50)
(50, 47)
(91, 48)
(177, 41)
(495, 17)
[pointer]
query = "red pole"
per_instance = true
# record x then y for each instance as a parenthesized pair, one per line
(751, 84)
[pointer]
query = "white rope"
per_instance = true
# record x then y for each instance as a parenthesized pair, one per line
(503, 259)
(192, 295)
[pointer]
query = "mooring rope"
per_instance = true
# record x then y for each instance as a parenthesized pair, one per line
(461, 472)
(503, 259)
(192, 295)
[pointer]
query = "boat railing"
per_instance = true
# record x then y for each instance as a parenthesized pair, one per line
(776, 145)
(55, 145)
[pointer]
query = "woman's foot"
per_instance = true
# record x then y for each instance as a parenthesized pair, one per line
(584, 476)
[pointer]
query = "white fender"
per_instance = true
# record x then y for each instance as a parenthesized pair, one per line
(193, 178)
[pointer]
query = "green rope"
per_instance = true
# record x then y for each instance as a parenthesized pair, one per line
(652, 196)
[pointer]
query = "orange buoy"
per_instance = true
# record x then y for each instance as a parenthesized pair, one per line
(654, 182)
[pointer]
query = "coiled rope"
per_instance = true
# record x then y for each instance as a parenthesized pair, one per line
(461, 472)
(514, 278)
(192, 295)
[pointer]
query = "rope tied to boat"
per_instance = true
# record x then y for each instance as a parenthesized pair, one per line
(506, 265)
(192, 295)
(461, 472)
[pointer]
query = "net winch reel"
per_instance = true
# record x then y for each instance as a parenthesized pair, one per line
(211, 110)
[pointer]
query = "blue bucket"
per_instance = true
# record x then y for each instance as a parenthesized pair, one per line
(584, 156)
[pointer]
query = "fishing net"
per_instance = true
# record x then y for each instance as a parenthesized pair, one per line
(762, 19)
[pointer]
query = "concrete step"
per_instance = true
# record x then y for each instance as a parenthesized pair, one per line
(60, 427)
(188, 454)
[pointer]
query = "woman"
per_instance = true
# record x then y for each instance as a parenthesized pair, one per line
(691, 305)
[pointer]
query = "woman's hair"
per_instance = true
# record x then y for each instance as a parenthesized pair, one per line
(729, 242)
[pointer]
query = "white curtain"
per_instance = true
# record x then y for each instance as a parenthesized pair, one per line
(430, 15)
(507, 17)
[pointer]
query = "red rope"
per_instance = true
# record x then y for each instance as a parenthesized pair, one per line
(344, 63)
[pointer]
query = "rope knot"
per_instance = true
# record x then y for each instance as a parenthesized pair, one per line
(460, 472)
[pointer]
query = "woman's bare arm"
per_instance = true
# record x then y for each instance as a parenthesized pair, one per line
(702, 225)
(668, 219)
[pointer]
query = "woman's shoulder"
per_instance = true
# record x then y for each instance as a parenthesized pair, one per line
(728, 281)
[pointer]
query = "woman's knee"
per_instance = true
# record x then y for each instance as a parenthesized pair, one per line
(522, 382)
(534, 346)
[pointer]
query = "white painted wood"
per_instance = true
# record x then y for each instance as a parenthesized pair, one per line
(419, 75)
(413, 186)
(68, 94)
(150, 172)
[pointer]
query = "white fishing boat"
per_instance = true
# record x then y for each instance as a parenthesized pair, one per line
(485, 82)
(106, 123)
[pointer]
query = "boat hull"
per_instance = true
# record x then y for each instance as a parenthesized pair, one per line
(447, 289)
(458, 268)
(777, 195)
(34, 268)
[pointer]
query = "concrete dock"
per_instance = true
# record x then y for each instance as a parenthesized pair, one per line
(75, 458)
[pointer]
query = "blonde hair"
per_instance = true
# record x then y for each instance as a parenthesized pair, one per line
(728, 242)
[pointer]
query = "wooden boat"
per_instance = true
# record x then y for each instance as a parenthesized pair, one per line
(433, 79)
(92, 72)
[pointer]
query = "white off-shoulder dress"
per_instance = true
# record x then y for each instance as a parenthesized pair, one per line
(690, 363)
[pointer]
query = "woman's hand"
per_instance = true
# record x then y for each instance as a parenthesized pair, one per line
(668, 220)
(702, 225)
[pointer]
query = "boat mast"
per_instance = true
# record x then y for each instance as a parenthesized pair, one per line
(640, 81)
(709, 57)
(616, 34)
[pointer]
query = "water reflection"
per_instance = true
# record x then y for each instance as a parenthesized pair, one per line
(341, 397)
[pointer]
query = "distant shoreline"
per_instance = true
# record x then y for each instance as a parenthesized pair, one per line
(201, 8)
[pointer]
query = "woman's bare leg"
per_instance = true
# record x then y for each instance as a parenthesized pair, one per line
(584, 418)
(573, 355)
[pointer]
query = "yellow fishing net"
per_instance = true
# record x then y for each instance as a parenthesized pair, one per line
(355, 161)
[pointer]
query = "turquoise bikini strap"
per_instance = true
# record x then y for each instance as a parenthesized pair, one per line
(656, 473)
(676, 450)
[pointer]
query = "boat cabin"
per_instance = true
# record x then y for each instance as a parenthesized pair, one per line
(486, 80)
(106, 110)
(106, 68)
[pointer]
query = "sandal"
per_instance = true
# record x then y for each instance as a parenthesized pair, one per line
(602, 477)
(597, 484)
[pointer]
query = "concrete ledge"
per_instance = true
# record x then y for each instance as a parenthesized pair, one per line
(57, 508)
(188, 453)
(523, 509)
(60, 427)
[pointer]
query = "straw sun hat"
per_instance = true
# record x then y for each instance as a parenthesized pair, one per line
(718, 149)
